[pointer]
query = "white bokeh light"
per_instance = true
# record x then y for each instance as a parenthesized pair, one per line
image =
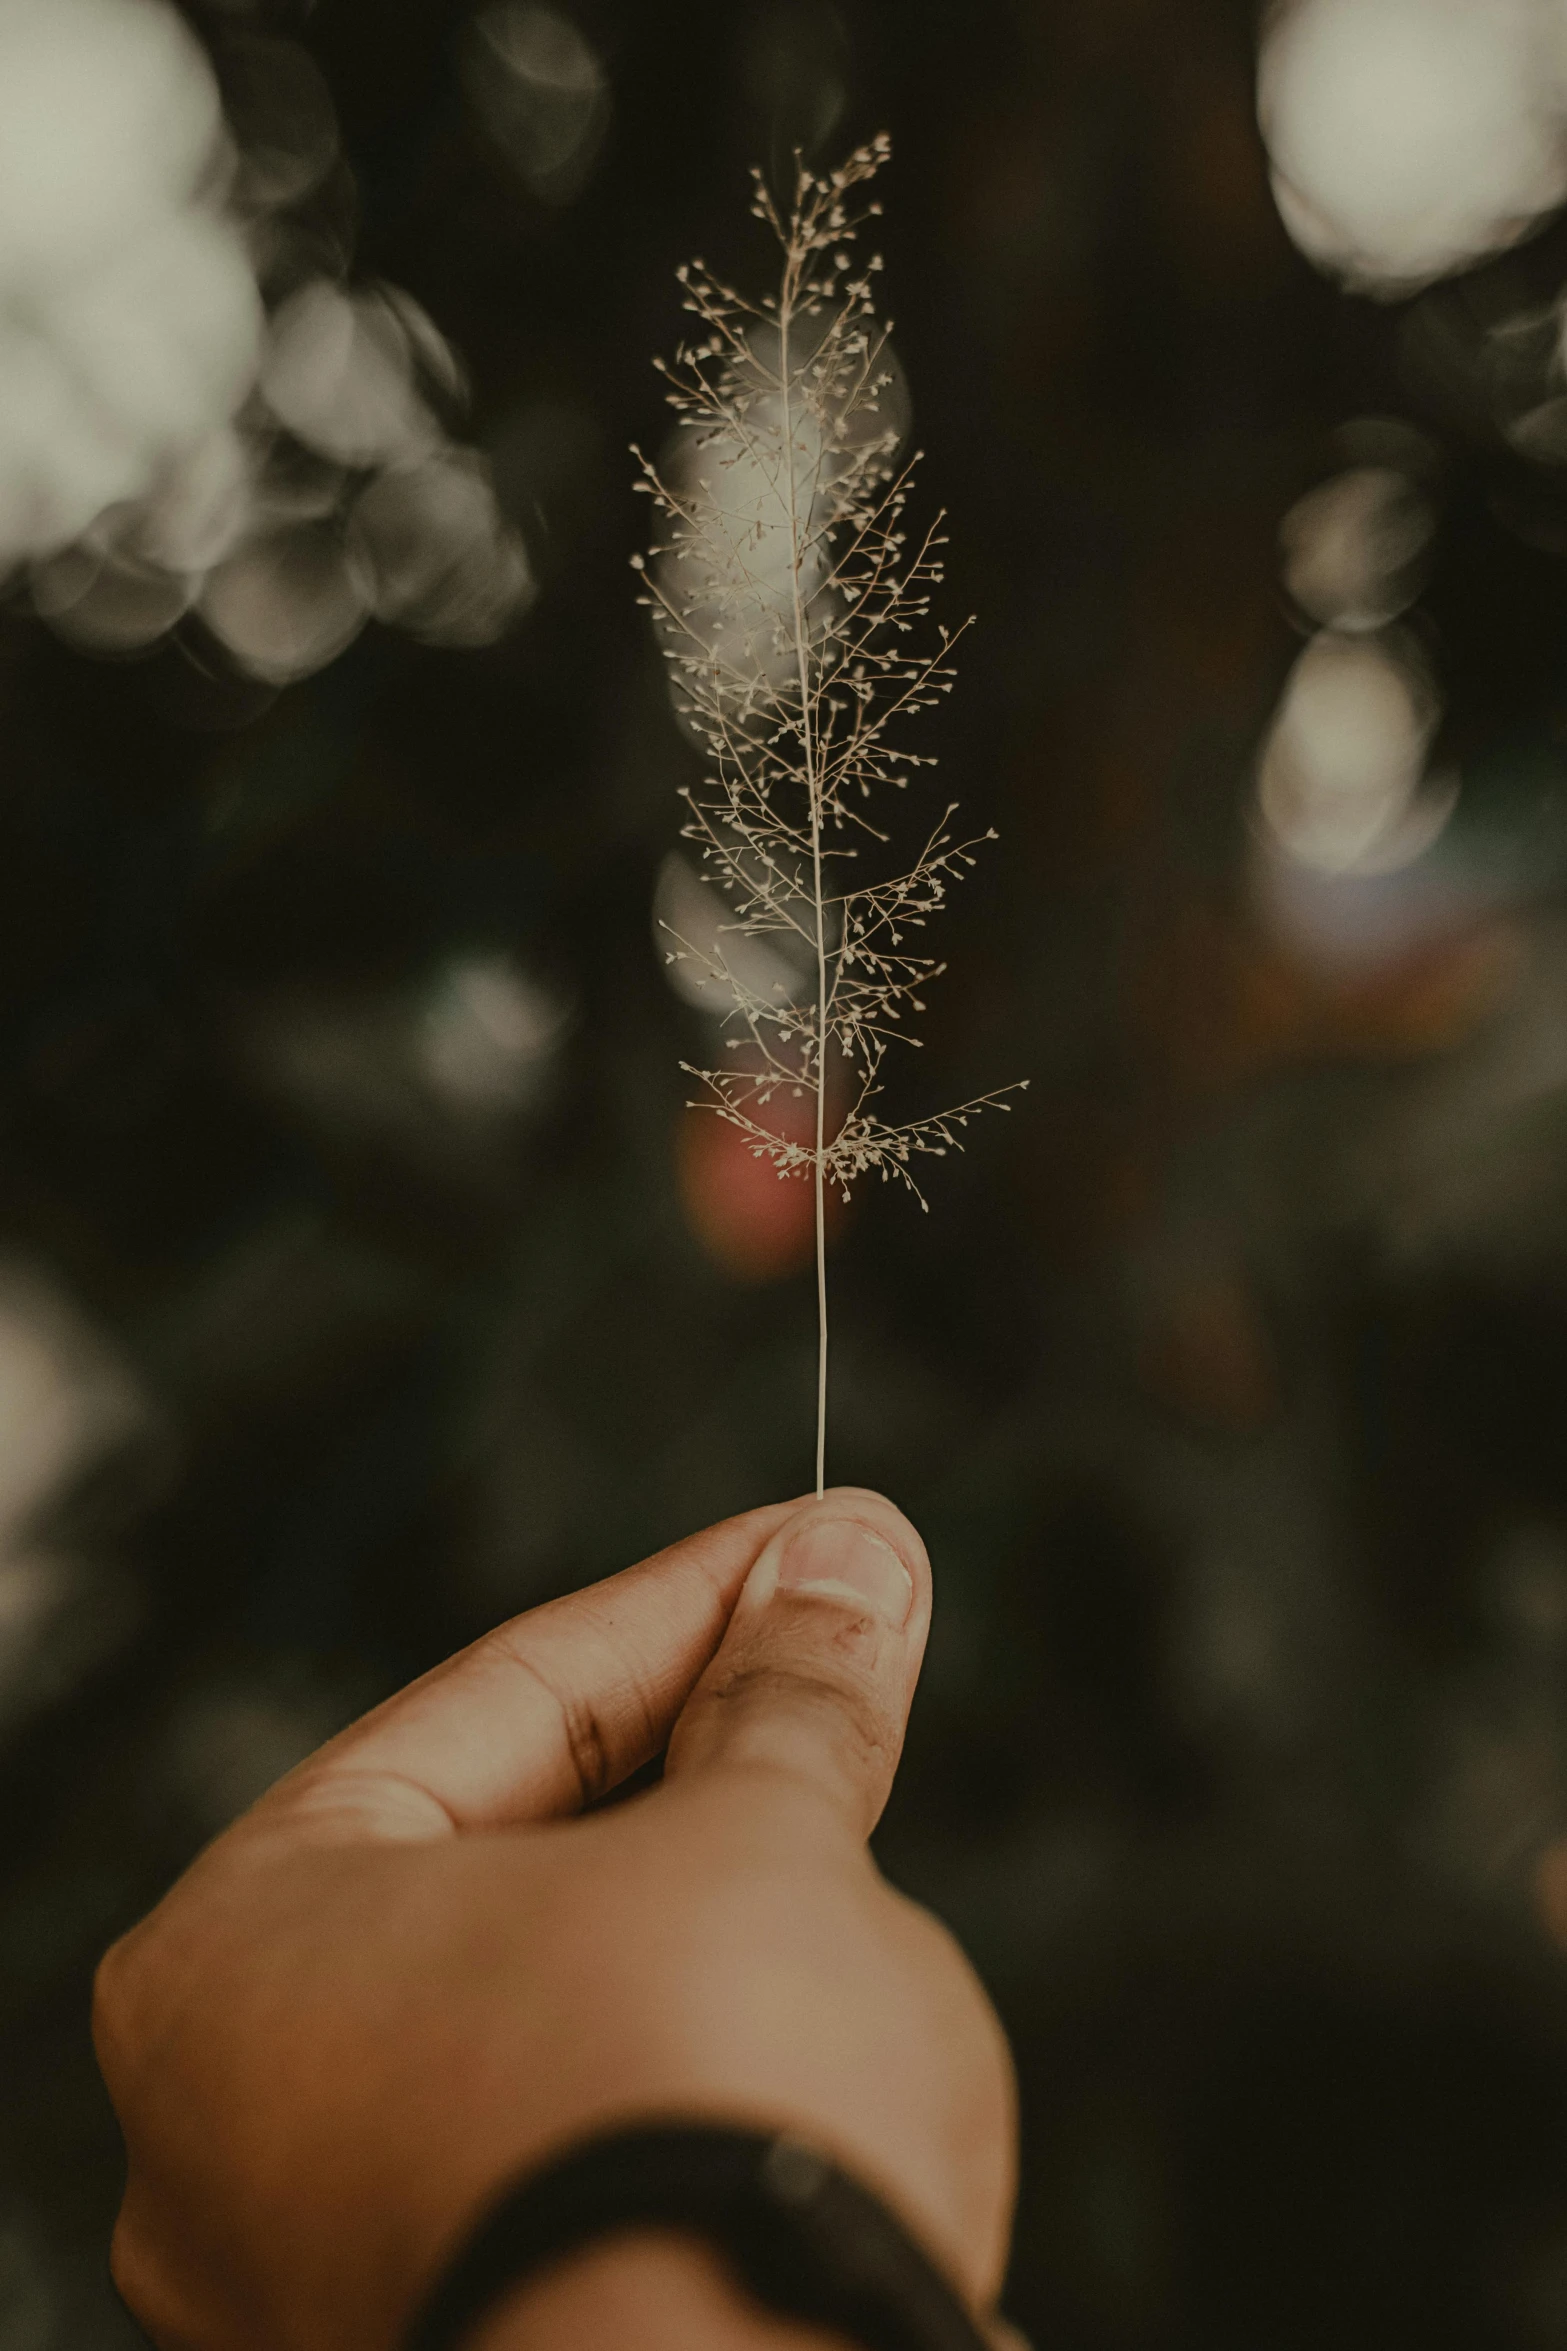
(1352, 548)
(104, 605)
(691, 914)
(339, 374)
(1411, 137)
(109, 124)
(165, 447)
(539, 88)
(1339, 784)
(487, 1034)
(166, 334)
(436, 558)
(287, 605)
(201, 507)
(130, 323)
(727, 569)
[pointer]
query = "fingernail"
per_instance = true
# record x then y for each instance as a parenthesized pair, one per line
(839, 1559)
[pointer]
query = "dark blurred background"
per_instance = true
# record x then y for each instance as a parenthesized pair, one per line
(363, 1278)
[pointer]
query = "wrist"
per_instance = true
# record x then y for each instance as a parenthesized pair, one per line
(660, 2292)
(720, 2236)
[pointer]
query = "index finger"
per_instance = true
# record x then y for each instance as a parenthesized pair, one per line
(539, 1718)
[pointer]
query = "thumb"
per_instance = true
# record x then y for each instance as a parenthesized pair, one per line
(815, 1674)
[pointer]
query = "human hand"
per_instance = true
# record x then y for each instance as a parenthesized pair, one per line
(419, 1965)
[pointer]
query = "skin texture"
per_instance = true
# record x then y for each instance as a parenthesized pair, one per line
(654, 2293)
(421, 1963)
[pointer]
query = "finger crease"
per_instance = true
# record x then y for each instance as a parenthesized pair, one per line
(851, 1712)
(582, 1735)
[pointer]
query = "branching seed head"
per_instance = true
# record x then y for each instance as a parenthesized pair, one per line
(793, 607)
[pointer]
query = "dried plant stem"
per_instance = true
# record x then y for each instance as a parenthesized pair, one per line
(820, 1170)
(785, 592)
(818, 892)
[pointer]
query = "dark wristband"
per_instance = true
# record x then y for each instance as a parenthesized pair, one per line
(800, 2235)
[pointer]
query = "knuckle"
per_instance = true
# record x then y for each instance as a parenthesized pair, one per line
(130, 2011)
(125, 2263)
(838, 1709)
(107, 1990)
(113, 2001)
(169, 2283)
(135, 2274)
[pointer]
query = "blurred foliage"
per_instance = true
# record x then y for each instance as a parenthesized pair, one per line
(339, 1105)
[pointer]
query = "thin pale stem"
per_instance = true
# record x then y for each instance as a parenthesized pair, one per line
(819, 903)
